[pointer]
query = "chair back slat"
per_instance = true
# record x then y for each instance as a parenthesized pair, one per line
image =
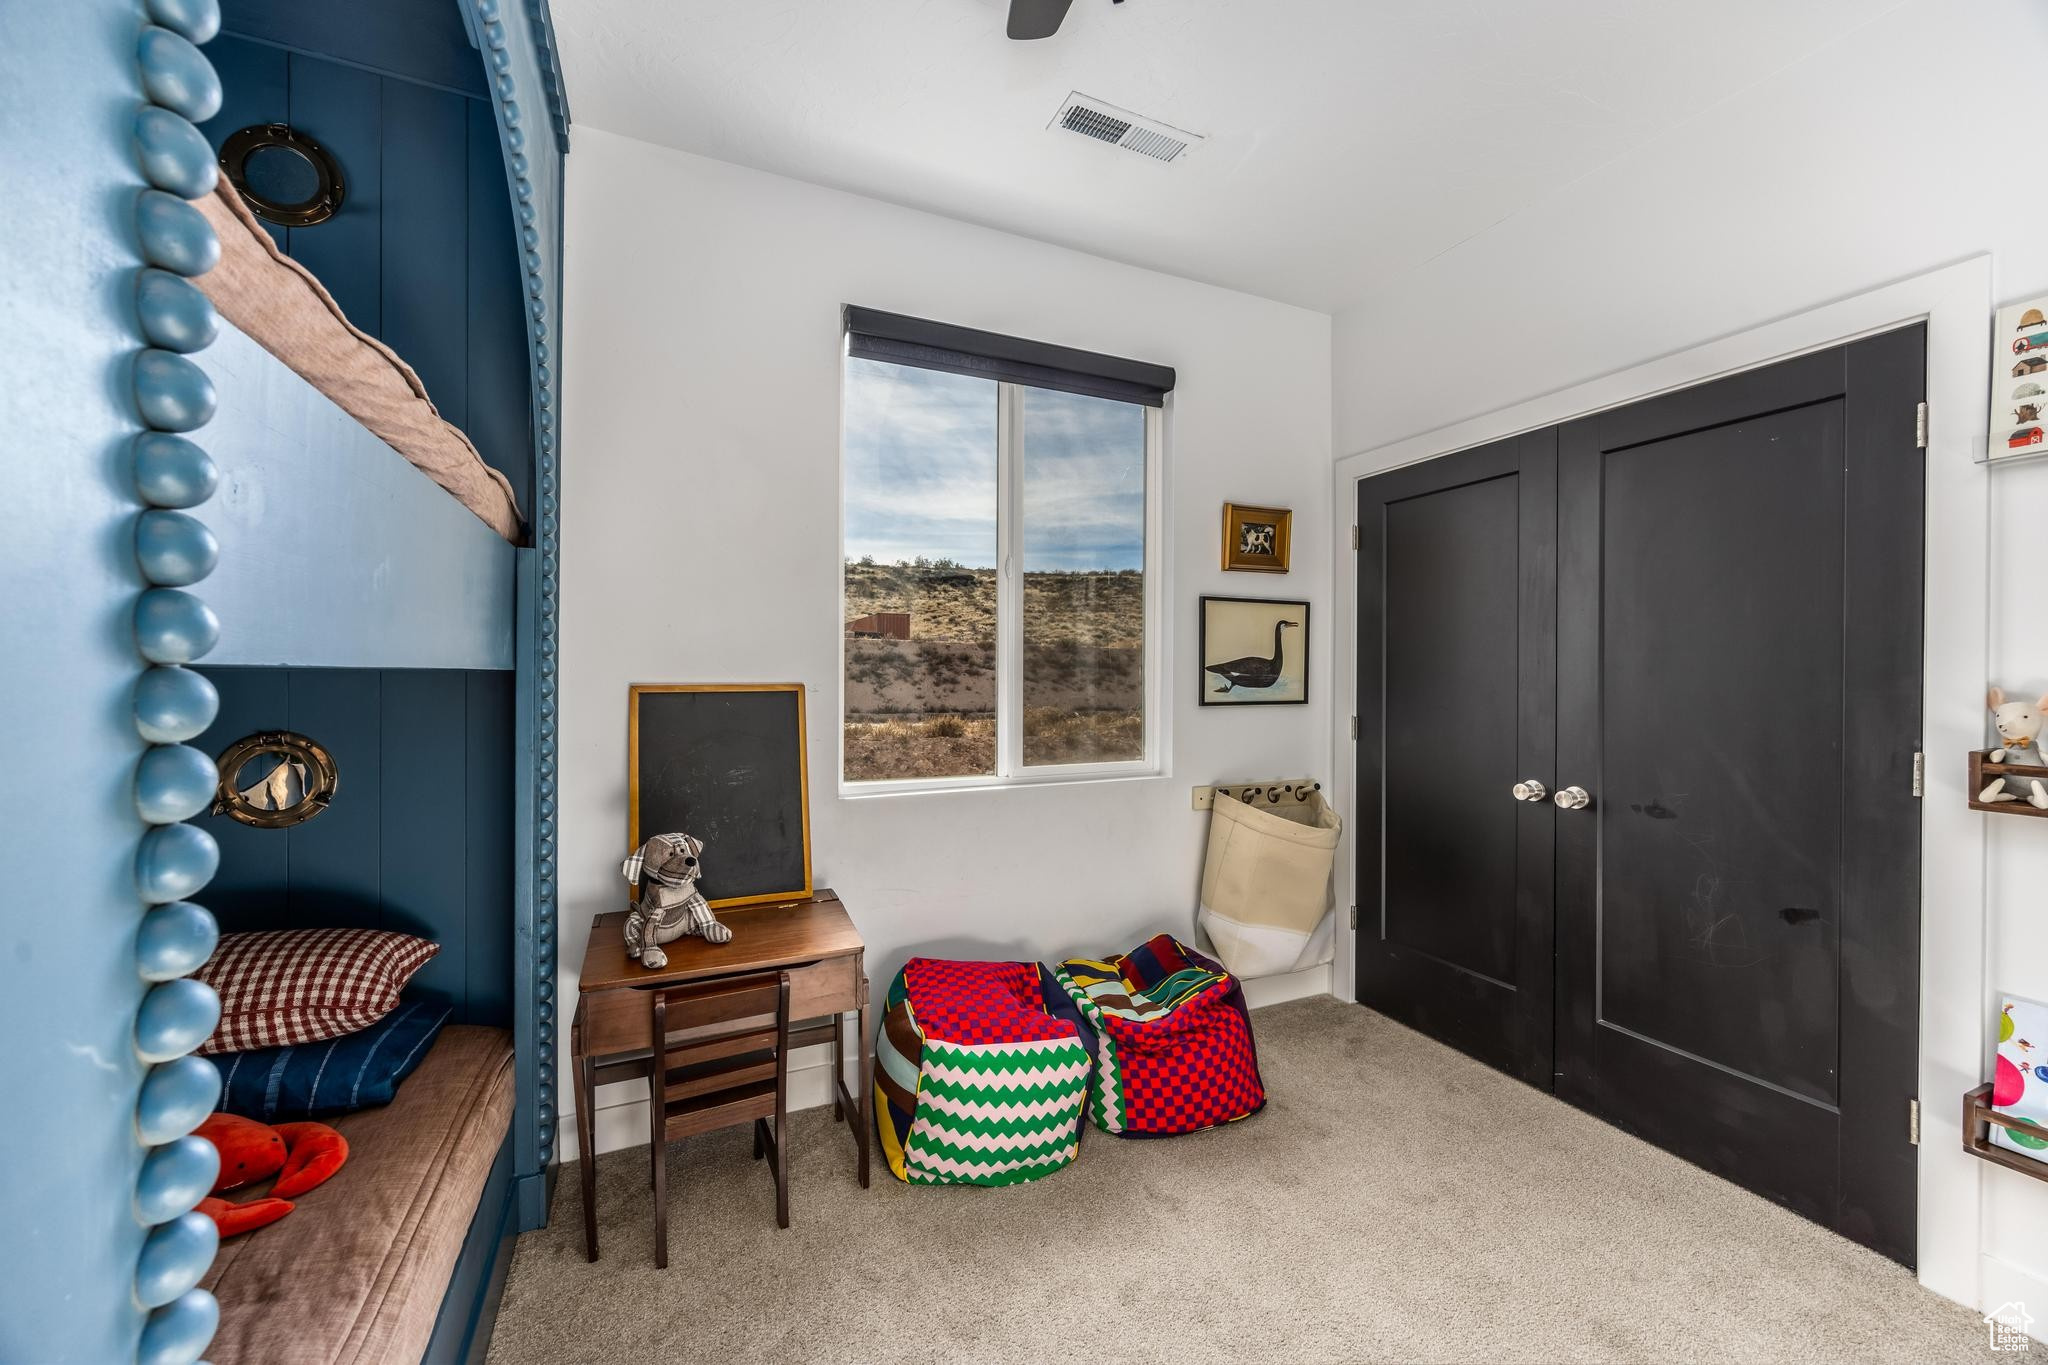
(684, 1085)
(700, 1024)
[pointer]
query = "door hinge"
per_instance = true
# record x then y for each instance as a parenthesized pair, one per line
(1354, 727)
(1919, 774)
(1920, 427)
(1913, 1122)
(1354, 537)
(1354, 917)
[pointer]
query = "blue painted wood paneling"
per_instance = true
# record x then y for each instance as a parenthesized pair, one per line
(423, 254)
(424, 228)
(419, 40)
(341, 108)
(252, 865)
(334, 550)
(532, 113)
(255, 87)
(487, 836)
(498, 416)
(69, 88)
(419, 836)
(422, 840)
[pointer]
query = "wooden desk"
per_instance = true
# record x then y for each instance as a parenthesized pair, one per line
(612, 1038)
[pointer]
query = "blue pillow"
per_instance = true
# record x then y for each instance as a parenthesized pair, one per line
(337, 1076)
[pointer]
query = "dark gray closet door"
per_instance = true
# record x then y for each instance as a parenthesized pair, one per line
(1456, 705)
(1739, 694)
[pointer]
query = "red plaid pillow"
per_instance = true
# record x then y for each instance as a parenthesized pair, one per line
(287, 986)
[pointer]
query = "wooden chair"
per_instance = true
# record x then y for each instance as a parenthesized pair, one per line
(722, 1058)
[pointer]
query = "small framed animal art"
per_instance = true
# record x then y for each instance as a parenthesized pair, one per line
(1254, 652)
(1255, 539)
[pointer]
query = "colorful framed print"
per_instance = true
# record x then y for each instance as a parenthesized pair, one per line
(2020, 1086)
(1253, 652)
(1256, 539)
(2019, 380)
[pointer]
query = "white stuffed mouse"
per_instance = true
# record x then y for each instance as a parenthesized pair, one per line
(2019, 730)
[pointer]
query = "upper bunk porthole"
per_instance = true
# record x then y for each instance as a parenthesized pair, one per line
(283, 175)
(274, 779)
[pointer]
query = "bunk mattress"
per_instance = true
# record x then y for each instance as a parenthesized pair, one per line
(356, 1273)
(289, 313)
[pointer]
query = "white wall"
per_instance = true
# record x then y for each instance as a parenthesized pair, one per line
(1895, 151)
(701, 537)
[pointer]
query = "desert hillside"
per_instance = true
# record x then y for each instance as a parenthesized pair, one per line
(925, 706)
(958, 605)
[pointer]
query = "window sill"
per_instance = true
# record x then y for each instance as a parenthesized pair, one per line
(1064, 777)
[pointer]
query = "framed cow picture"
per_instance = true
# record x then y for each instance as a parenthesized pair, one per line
(1255, 539)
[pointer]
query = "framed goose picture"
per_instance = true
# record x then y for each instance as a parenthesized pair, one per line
(1254, 652)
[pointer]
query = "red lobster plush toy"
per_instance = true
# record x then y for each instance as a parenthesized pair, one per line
(300, 1155)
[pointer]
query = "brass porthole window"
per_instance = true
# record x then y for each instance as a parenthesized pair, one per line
(274, 779)
(283, 175)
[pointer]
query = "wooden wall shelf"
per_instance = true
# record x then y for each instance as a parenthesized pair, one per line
(1978, 1116)
(1983, 770)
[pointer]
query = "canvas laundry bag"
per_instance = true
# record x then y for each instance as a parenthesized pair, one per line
(1266, 884)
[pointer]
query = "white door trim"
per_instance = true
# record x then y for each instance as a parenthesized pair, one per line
(1956, 303)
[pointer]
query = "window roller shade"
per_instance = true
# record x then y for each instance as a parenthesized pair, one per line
(875, 335)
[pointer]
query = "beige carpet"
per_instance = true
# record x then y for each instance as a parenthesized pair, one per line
(1364, 1216)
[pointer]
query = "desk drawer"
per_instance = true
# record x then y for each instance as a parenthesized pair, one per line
(823, 988)
(622, 1020)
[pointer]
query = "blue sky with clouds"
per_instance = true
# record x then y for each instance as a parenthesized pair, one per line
(921, 472)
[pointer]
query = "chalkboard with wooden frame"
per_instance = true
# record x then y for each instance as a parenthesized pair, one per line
(724, 762)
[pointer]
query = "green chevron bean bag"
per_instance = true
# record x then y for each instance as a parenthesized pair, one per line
(981, 1073)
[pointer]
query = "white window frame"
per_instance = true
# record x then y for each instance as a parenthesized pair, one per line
(1011, 770)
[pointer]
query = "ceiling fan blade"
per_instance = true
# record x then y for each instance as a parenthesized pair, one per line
(1037, 18)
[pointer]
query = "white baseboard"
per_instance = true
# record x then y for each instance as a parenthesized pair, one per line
(1278, 990)
(622, 1109)
(2000, 1282)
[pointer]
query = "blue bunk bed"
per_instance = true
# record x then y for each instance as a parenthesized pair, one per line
(284, 557)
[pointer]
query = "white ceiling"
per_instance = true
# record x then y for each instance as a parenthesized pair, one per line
(1348, 140)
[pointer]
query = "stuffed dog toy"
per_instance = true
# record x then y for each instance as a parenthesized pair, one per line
(666, 903)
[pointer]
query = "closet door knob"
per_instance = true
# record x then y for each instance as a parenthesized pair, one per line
(1532, 790)
(1573, 798)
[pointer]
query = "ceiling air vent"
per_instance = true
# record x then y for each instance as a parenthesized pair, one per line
(1092, 118)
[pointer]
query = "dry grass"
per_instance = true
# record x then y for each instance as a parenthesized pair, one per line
(1053, 735)
(936, 746)
(965, 746)
(1104, 609)
(953, 605)
(923, 707)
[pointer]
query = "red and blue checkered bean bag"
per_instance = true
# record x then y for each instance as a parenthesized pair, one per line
(1174, 1049)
